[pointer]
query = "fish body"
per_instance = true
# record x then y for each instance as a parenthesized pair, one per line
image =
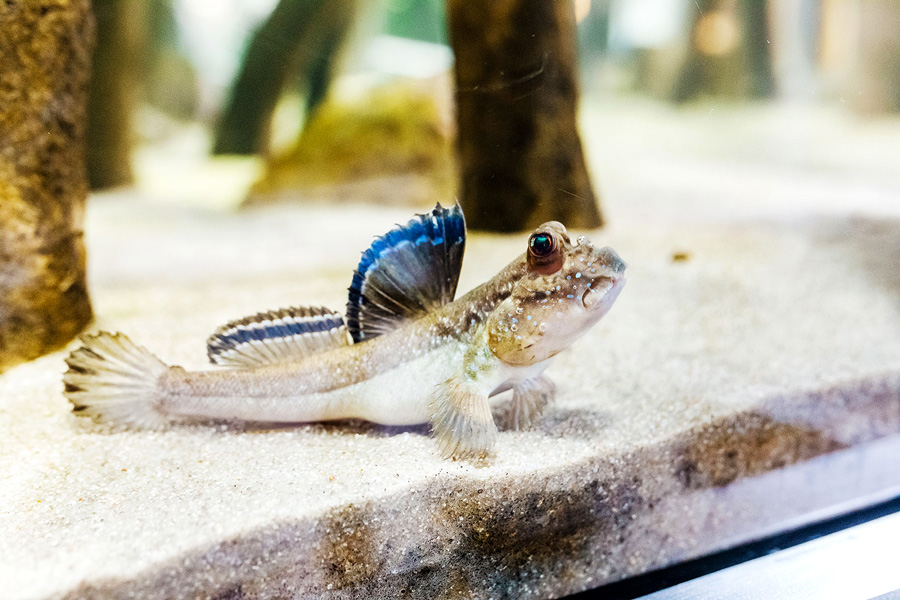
(407, 353)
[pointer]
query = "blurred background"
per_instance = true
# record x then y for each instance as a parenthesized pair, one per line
(240, 102)
(742, 155)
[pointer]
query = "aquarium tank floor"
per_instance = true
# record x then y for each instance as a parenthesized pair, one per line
(747, 381)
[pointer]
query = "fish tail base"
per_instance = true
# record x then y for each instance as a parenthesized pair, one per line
(113, 380)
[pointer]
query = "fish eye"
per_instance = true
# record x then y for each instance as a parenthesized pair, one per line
(544, 254)
(541, 244)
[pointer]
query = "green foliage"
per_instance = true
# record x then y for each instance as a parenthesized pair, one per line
(417, 19)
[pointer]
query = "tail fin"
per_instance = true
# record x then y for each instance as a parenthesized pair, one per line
(113, 380)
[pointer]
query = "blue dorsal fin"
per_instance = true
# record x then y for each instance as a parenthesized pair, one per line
(407, 272)
(277, 336)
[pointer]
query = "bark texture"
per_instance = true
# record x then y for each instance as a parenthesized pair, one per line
(45, 52)
(520, 156)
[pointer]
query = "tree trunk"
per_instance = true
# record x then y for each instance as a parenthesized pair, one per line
(113, 85)
(757, 48)
(169, 82)
(298, 40)
(875, 85)
(520, 156)
(45, 52)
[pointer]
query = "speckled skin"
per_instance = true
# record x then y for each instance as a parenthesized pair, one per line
(441, 368)
(445, 334)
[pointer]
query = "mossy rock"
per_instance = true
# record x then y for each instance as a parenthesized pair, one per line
(392, 144)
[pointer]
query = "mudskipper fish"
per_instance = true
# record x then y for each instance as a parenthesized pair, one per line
(405, 352)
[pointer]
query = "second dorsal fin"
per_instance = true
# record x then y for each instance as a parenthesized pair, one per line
(407, 272)
(277, 336)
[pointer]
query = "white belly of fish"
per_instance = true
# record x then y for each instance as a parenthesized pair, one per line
(402, 395)
(399, 396)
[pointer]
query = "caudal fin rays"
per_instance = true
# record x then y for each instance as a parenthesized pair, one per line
(113, 380)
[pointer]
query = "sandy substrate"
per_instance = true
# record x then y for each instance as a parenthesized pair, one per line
(752, 383)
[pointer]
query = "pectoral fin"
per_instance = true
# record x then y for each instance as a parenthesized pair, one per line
(462, 421)
(530, 398)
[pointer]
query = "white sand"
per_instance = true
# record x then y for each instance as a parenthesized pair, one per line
(626, 472)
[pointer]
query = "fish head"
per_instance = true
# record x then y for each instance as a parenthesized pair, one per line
(565, 290)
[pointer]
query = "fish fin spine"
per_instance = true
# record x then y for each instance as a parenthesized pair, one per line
(407, 272)
(277, 336)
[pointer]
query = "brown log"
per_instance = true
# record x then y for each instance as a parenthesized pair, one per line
(45, 52)
(520, 156)
(114, 81)
(874, 87)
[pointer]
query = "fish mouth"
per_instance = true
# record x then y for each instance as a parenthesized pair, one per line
(603, 290)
